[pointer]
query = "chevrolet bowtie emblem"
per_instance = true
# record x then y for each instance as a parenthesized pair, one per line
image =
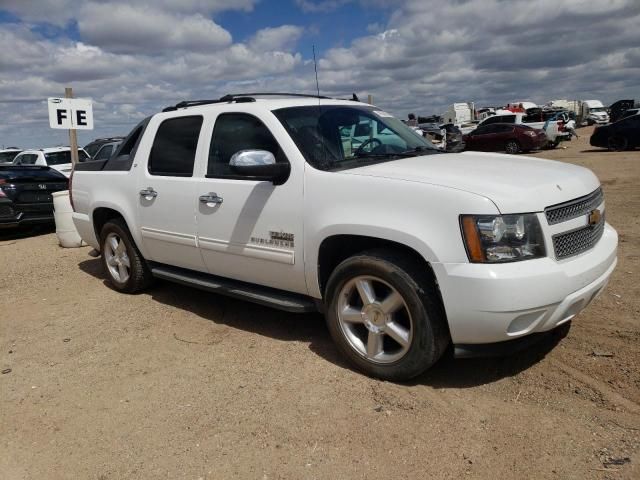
(594, 217)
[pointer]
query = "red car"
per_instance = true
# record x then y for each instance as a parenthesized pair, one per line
(505, 137)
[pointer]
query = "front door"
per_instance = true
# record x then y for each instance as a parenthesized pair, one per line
(167, 194)
(251, 230)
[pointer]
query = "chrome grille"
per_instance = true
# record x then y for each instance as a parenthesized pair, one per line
(574, 208)
(577, 241)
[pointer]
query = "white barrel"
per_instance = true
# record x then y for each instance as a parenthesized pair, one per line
(65, 229)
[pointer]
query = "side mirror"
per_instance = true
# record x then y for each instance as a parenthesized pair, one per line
(259, 165)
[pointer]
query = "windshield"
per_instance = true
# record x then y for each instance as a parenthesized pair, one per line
(60, 158)
(598, 109)
(92, 148)
(338, 137)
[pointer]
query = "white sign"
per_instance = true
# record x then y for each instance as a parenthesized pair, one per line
(69, 113)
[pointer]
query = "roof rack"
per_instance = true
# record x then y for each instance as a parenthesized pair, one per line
(239, 98)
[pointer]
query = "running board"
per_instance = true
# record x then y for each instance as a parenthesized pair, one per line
(269, 297)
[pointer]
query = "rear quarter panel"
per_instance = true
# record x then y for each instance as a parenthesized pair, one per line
(109, 189)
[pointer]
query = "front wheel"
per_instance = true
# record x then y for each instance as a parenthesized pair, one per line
(512, 147)
(121, 260)
(385, 315)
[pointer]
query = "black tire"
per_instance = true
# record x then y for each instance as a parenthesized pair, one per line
(430, 334)
(552, 145)
(139, 276)
(617, 144)
(512, 147)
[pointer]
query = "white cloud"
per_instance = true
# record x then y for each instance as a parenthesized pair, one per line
(281, 38)
(59, 12)
(147, 30)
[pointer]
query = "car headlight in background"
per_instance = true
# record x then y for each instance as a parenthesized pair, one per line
(531, 133)
(502, 238)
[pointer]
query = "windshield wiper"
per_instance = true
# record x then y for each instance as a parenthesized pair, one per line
(420, 149)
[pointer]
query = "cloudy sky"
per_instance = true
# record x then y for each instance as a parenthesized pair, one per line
(135, 57)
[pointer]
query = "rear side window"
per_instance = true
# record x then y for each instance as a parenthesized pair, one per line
(174, 148)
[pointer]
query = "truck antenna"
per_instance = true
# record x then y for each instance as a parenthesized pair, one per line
(315, 67)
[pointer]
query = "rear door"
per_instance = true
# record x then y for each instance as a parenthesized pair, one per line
(483, 138)
(166, 193)
(501, 135)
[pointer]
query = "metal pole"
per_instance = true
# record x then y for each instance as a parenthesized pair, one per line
(73, 137)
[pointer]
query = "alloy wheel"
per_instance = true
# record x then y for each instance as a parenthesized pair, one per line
(374, 319)
(115, 253)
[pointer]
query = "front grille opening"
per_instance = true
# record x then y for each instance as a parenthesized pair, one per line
(577, 241)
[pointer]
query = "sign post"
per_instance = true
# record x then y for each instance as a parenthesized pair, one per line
(71, 114)
(73, 136)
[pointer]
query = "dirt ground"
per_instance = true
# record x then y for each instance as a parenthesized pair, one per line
(177, 383)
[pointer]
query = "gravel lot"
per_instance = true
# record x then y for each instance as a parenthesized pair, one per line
(177, 383)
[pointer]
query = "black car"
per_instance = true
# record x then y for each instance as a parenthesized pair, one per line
(25, 194)
(621, 135)
(93, 147)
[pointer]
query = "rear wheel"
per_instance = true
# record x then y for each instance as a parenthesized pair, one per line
(385, 315)
(122, 262)
(512, 147)
(617, 143)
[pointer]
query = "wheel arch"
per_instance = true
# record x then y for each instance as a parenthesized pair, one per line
(338, 247)
(102, 214)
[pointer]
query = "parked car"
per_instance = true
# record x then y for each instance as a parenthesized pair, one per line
(621, 135)
(552, 128)
(93, 147)
(106, 150)
(25, 194)
(8, 154)
(618, 109)
(56, 157)
(406, 249)
(505, 137)
(454, 138)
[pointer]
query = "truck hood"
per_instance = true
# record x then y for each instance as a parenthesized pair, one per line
(516, 184)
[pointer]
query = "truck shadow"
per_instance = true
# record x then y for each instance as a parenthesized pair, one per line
(311, 329)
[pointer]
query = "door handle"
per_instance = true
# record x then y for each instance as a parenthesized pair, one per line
(211, 197)
(148, 192)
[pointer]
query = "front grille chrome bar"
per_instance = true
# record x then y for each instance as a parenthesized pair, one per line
(574, 208)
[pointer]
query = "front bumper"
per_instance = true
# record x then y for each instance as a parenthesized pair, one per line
(488, 303)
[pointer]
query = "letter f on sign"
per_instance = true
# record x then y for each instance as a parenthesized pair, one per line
(62, 115)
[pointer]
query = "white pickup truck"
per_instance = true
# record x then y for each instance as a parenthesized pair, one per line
(405, 249)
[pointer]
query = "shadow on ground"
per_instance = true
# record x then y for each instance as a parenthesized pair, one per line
(311, 329)
(19, 233)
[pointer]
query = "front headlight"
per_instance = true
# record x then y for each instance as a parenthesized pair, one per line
(502, 238)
